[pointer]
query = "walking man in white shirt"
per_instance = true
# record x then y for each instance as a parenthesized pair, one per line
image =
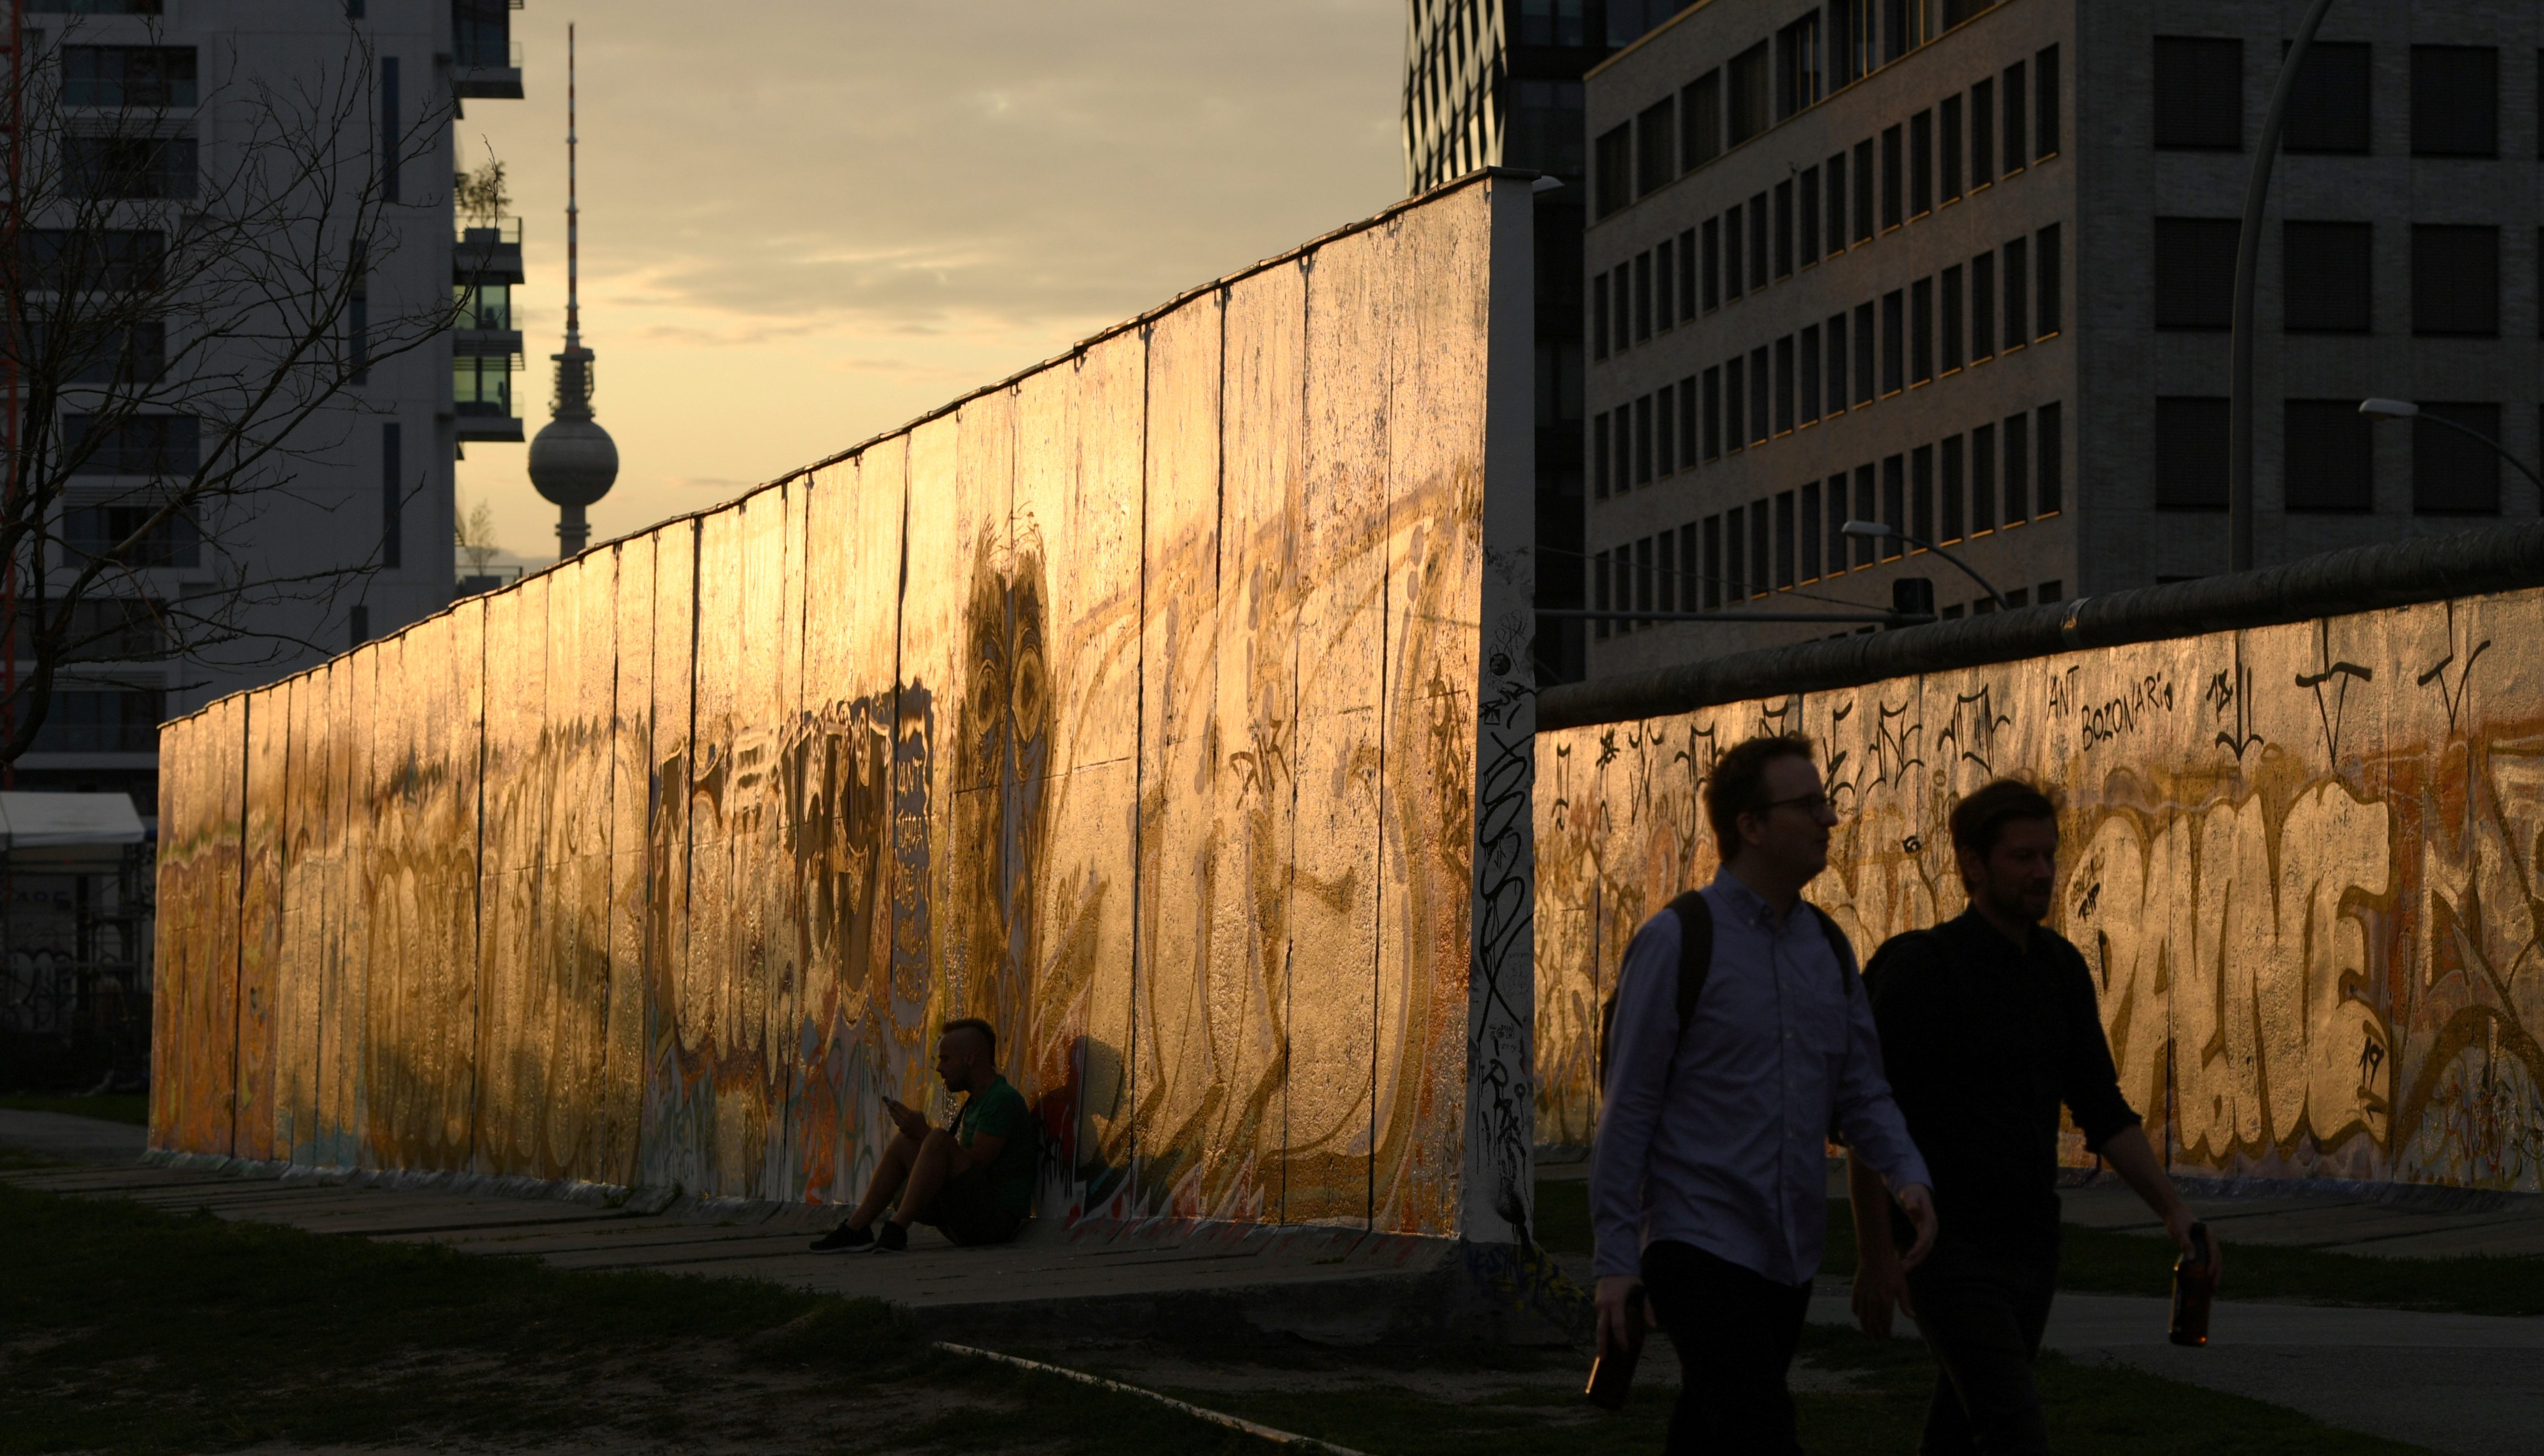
(1727, 1070)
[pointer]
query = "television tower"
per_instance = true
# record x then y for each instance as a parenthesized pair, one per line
(573, 461)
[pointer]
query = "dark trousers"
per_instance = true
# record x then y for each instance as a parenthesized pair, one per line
(1982, 1310)
(1736, 1333)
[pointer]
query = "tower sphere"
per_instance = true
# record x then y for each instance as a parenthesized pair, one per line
(573, 461)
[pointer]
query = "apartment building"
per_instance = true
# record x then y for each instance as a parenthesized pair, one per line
(1964, 269)
(365, 506)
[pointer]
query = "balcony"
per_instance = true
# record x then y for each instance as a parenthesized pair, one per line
(488, 254)
(481, 397)
(488, 71)
(482, 324)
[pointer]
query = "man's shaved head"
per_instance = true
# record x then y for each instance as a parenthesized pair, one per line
(973, 1030)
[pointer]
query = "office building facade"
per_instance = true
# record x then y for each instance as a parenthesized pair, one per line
(1966, 270)
(1498, 83)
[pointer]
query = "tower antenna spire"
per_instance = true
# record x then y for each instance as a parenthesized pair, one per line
(573, 461)
(572, 212)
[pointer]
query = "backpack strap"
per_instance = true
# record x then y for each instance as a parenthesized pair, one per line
(1839, 948)
(1694, 951)
(1696, 962)
(1695, 959)
(1841, 952)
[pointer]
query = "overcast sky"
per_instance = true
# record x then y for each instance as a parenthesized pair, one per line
(806, 221)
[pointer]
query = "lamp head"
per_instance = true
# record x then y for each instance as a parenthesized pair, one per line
(1872, 529)
(2388, 409)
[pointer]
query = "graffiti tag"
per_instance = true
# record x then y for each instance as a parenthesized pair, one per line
(2127, 712)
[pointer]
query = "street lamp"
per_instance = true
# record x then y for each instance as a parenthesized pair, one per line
(2248, 267)
(2403, 409)
(1875, 530)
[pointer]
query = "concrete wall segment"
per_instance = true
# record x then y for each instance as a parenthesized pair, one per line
(669, 1148)
(2289, 857)
(260, 922)
(1087, 507)
(1334, 886)
(1256, 689)
(1002, 715)
(1498, 1184)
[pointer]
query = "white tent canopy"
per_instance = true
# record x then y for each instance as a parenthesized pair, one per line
(37, 821)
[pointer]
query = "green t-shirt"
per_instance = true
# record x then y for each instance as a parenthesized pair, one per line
(1000, 1110)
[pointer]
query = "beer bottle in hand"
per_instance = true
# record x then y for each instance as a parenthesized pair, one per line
(1612, 1372)
(2194, 1282)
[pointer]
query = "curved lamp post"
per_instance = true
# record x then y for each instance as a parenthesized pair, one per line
(2403, 409)
(1875, 530)
(2248, 264)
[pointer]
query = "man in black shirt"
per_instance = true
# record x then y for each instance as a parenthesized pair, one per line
(1988, 1025)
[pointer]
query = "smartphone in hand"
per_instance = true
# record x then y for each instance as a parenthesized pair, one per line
(902, 1115)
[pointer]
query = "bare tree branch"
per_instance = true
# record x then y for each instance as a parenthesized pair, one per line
(189, 319)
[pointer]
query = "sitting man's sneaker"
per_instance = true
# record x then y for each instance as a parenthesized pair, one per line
(892, 1237)
(844, 1240)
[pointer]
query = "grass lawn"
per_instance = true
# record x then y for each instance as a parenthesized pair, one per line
(132, 1108)
(130, 1330)
(2097, 1262)
(136, 1329)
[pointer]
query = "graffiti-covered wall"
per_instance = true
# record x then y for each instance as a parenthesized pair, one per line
(2303, 863)
(1165, 706)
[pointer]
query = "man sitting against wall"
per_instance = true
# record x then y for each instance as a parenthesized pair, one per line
(972, 1180)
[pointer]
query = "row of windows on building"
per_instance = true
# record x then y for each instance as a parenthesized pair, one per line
(1994, 477)
(170, 447)
(1630, 584)
(151, 166)
(101, 720)
(128, 75)
(2454, 102)
(1907, 173)
(1678, 133)
(2330, 456)
(1449, 117)
(2327, 275)
(101, 628)
(1906, 338)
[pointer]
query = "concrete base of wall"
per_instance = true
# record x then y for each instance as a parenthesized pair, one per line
(1161, 1278)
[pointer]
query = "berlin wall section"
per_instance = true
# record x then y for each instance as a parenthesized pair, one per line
(2300, 860)
(1165, 704)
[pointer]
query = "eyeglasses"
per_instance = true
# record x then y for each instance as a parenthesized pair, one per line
(1811, 804)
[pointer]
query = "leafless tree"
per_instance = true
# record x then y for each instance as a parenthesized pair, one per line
(186, 272)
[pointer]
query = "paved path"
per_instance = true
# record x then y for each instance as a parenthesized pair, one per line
(2387, 1226)
(71, 1139)
(2398, 1223)
(2468, 1384)
(1310, 1282)
(2457, 1383)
